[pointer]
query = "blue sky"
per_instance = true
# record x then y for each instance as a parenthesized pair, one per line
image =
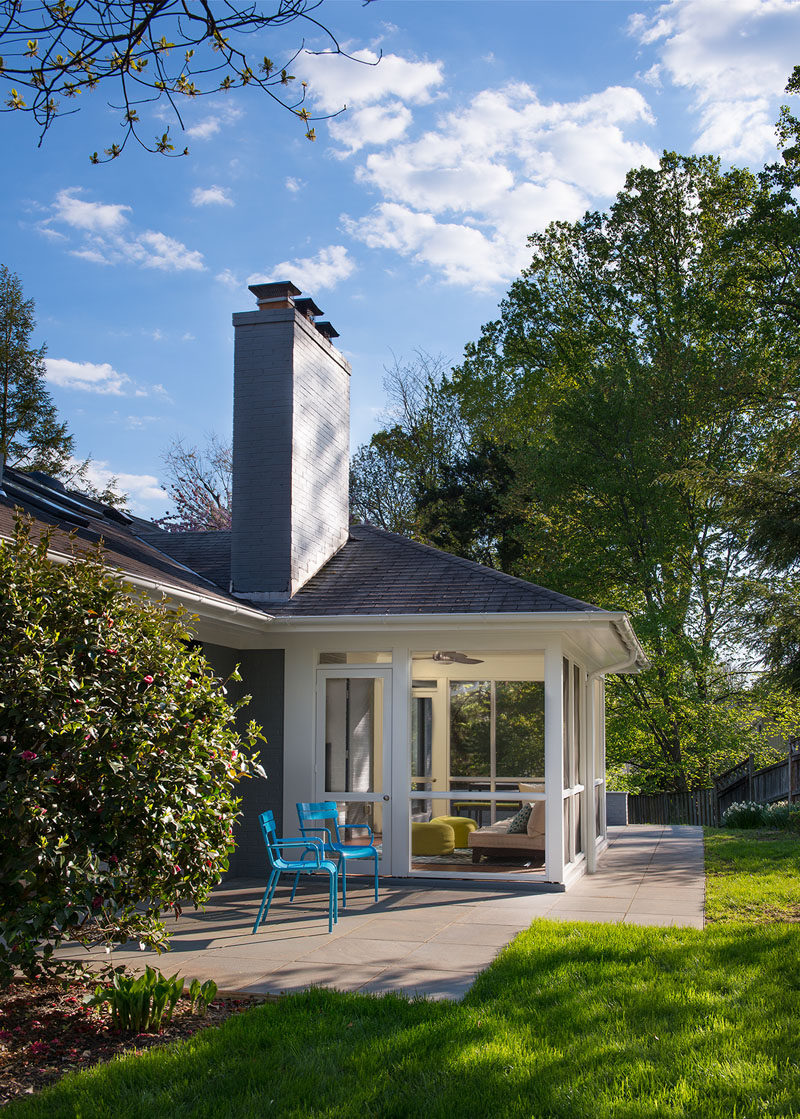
(406, 220)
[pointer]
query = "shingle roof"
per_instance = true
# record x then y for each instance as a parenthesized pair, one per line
(378, 572)
(90, 521)
(374, 573)
(207, 553)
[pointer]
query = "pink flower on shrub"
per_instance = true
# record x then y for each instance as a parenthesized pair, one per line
(176, 869)
(148, 679)
(29, 756)
(112, 652)
(113, 859)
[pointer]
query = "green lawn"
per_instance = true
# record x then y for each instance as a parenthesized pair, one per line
(752, 876)
(571, 1020)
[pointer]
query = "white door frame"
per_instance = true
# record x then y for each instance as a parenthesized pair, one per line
(382, 793)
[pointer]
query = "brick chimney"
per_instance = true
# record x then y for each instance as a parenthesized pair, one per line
(291, 437)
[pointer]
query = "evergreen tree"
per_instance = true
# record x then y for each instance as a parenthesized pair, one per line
(31, 435)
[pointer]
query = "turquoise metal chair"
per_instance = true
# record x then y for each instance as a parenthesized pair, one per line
(315, 817)
(279, 863)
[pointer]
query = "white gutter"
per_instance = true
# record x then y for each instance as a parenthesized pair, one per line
(208, 605)
(623, 666)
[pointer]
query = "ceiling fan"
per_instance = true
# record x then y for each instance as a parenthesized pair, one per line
(454, 658)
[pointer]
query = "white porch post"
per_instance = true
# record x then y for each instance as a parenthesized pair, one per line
(400, 769)
(591, 723)
(553, 762)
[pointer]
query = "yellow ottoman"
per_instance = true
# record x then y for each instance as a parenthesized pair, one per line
(461, 825)
(434, 838)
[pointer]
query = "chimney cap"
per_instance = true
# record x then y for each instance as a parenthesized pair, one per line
(278, 292)
(326, 329)
(307, 306)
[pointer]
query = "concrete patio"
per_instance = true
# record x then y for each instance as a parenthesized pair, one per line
(422, 940)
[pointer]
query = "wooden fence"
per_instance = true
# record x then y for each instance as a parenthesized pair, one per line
(742, 782)
(673, 808)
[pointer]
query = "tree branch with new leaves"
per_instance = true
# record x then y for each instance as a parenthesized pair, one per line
(174, 50)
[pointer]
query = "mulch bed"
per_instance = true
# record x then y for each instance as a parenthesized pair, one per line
(46, 1031)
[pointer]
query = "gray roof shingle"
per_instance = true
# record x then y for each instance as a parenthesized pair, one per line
(374, 573)
(378, 572)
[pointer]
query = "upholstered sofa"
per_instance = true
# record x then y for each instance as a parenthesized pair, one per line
(497, 842)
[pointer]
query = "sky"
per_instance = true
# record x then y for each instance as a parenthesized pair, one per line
(406, 220)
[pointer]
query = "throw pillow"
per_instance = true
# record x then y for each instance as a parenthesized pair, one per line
(536, 819)
(519, 823)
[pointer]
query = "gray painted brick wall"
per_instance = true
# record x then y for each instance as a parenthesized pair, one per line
(291, 434)
(262, 679)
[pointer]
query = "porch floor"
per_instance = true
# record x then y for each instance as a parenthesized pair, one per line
(421, 940)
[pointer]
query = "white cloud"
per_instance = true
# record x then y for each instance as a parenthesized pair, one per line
(463, 197)
(107, 236)
(220, 116)
(373, 124)
(100, 378)
(211, 196)
(294, 186)
(335, 80)
(95, 217)
(374, 91)
(735, 57)
(145, 494)
(226, 277)
(331, 265)
(88, 376)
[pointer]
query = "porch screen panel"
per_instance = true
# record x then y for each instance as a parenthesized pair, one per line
(421, 738)
(577, 753)
(350, 734)
(470, 728)
(567, 732)
(519, 729)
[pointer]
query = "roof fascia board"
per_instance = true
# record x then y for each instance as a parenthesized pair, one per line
(196, 601)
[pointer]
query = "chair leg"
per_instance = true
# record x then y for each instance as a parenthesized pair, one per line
(343, 868)
(294, 888)
(331, 899)
(266, 899)
(376, 878)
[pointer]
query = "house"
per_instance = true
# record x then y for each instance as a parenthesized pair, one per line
(413, 687)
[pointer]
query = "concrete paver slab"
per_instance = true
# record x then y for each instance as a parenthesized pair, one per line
(426, 983)
(421, 940)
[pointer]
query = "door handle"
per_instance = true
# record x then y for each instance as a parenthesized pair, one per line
(386, 796)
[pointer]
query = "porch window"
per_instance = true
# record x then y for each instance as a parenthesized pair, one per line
(496, 736)
(574, 776)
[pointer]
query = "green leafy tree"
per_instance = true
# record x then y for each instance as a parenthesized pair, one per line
(632, 362)
(421, 435)
(119, 758)
(31, 435)
(146, 52)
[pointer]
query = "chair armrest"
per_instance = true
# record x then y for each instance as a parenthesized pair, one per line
(357, 827)
(326, 832)
(315, 846)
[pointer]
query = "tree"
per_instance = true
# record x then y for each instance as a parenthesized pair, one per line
(31, 435)
(118, 759)
(633, 361)
(145, 52)
(199, 481)
(421, 435)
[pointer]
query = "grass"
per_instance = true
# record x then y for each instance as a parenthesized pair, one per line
(752, 875)
(571, 1020)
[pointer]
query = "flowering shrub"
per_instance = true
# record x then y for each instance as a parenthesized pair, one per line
(119, 758)
(783, 815)
(744, 814)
